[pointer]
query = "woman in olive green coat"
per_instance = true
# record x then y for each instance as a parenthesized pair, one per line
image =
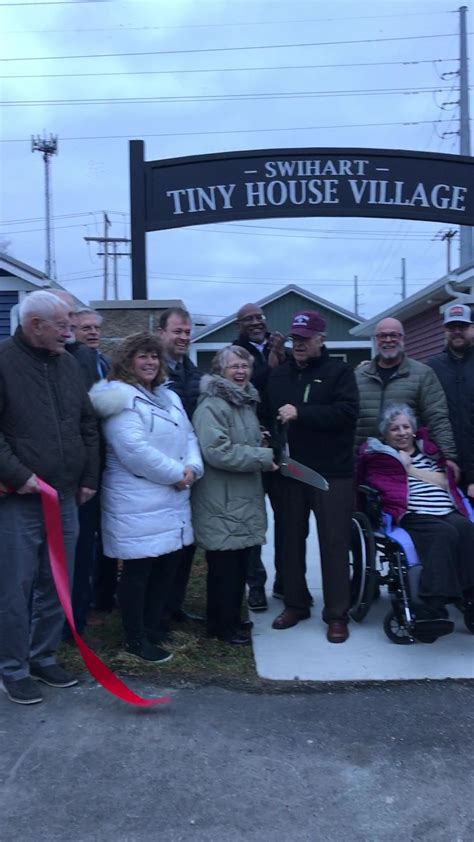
(228, 502)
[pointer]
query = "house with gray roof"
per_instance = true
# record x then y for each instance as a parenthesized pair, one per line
(422, 313)
(279, 308)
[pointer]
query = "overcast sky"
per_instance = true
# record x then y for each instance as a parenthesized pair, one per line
(390, 81)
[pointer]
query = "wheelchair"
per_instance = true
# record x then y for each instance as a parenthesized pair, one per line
(378, 560)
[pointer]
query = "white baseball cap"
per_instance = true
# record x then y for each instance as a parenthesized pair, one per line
(457, 313)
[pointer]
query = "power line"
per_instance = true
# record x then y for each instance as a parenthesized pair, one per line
(202, 279)
(214, 25)
(336, 231)
(237, 131)
(320, 230)
(300, 233)
(322, 235)
(245, 97)
(408, 63)
(236, 49)
(58, 216)
(58, 228)
(52, 3)
(177, 275)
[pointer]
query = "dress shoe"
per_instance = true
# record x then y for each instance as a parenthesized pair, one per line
(290, 617)
(181, 616)
(337, 632)
(246, 625)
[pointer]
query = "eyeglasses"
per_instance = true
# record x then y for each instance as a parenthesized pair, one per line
(58, 325)
(249, 320)
(389, 335)
(238, 367)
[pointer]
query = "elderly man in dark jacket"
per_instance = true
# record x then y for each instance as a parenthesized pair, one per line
(47, 430)
(314, 398)
(455, 370)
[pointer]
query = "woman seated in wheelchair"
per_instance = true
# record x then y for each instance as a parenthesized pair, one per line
(417, 489)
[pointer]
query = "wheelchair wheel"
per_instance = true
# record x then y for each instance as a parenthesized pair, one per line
(395, 631)
(362, 566)
(469, 617)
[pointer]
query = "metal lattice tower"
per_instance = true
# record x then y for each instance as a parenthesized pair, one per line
(48, 147)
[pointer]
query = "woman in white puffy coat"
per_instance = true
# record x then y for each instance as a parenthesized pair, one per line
(152, 460)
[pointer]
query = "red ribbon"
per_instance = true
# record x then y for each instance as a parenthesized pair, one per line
(57, 558)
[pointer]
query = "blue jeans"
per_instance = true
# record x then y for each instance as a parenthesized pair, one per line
(31, 618)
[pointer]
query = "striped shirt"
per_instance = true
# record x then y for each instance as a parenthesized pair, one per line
(424, 498)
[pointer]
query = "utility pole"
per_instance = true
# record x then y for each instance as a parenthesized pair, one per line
(356, 295)
(448, 236)
(404, 278)
(106, 266)
(115, 255)
(466, 232)
(105, 240)
(48, 148)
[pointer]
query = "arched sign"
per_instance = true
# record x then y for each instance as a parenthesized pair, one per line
(271, 183)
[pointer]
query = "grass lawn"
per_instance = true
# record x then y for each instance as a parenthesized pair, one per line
(196, 659)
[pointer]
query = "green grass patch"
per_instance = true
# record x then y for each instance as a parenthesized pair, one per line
(196, 658)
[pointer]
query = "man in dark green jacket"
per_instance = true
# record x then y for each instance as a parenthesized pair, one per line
(47, 430)
(394, 378)
(314, 397)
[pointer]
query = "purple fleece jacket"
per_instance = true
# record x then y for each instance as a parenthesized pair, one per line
(380, 466)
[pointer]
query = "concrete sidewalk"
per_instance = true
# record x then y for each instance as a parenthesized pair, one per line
(303, 652)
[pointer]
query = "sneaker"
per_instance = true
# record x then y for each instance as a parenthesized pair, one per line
(23, 692)
(256, 599)
(235, 638)
(54, 675)
(146, 651)
(157, 638)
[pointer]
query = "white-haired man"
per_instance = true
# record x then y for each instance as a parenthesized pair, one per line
(88, 324)
(47, 430)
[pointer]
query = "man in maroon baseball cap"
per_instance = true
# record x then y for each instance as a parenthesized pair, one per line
(307, 324)
(313, 399)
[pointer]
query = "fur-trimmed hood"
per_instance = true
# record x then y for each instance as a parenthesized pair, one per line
(215, 386)
(112, 397)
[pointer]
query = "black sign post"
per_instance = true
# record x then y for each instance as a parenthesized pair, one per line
(138, 221)
(287, 183)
